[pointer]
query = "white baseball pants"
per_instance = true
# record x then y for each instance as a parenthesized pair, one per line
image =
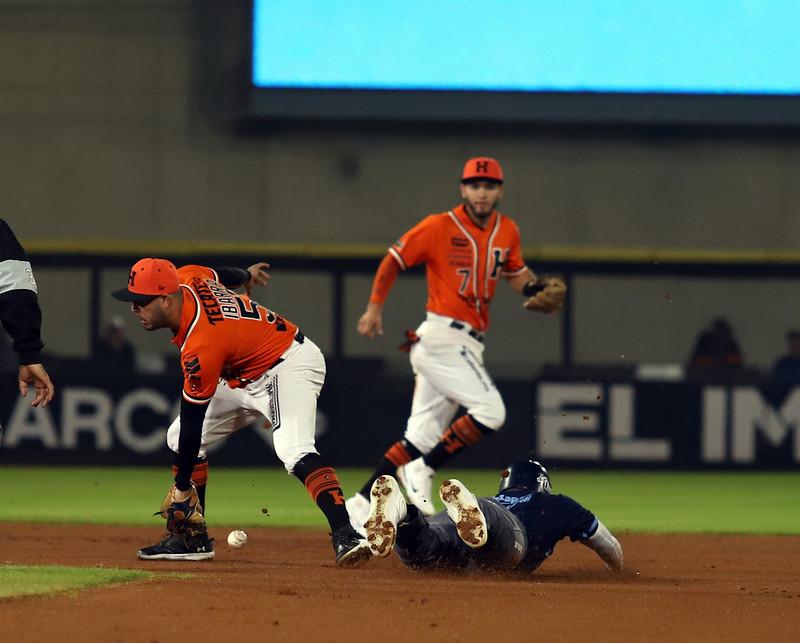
(286, 396)
(449, 371)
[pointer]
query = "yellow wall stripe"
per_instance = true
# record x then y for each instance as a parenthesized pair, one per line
(569, 254)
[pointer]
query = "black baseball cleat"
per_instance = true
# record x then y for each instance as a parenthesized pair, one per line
(352, 549)
(180, 546)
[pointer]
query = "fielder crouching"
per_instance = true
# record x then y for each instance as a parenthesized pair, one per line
(516, 530)
(241, 363)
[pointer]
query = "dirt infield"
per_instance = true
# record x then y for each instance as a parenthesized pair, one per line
(284, 587)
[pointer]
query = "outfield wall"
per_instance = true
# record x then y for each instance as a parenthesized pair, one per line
(596, 424)
(119, 117)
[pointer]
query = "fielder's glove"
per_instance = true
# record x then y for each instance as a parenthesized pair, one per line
(181, 514)
(549, 295)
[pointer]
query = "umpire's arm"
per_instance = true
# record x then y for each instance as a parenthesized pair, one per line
(19, 307)
(21, 316)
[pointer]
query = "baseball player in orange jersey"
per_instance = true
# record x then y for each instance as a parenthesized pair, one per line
(465, 251)
(241, 362)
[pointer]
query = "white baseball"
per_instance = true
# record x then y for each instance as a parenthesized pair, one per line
(237, 539)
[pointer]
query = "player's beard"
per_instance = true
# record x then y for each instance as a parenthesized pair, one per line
(484, 214)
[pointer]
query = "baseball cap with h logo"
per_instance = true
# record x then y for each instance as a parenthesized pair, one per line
(149, 278)
(482, 168)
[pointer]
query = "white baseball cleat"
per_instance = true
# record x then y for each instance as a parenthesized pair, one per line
(387, 508)
(417, 478)
(463, 509)
(358, 510)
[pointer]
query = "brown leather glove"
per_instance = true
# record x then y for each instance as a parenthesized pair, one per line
(550, 298)
(181, 514)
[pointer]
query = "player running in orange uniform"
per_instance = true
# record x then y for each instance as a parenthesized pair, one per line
(465, 251)
(241, 362)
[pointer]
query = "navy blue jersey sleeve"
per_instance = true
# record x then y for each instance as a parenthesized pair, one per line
(578, 522)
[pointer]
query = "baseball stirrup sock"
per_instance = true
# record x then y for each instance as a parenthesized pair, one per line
(400, 453)
(462, 433)
(324, 488)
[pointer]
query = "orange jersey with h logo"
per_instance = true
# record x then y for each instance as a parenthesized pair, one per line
(222, 334)
(463, 261)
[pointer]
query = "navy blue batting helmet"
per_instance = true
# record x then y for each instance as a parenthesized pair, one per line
(525, 474)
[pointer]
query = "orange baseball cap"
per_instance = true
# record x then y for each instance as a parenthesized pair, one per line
(482, 168)
(149, 278)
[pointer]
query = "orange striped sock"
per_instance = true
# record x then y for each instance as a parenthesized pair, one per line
(462, 433)
(400, 453)
(324, 488)
(324, 480)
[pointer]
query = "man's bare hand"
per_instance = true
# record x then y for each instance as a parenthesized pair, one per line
(34, 375)
(258, 276)
(371, 322)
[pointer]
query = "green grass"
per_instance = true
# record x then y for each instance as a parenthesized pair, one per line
(755, 502)
(19, 580)
(629, 500)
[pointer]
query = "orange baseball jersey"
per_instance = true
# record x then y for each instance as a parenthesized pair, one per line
(222, 334)
(463, 261)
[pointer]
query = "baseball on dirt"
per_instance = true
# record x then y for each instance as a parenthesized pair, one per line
(237, 539)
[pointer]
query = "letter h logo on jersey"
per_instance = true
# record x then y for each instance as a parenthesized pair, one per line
(499, 258)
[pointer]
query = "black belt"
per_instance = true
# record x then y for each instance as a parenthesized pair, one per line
(299, 338)
(471, 332)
